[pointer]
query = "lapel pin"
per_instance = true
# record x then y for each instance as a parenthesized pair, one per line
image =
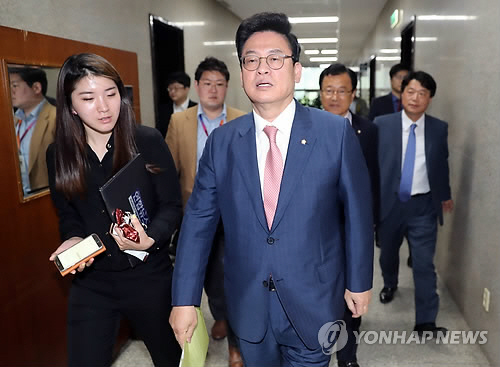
(359, 131)
(303, 141)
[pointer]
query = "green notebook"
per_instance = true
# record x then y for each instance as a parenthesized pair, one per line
(195, 353)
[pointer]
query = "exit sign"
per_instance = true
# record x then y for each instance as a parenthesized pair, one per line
(395, 18)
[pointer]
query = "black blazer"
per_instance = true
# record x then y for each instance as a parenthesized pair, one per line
(164, 113)
(367, 134)
(381, 106)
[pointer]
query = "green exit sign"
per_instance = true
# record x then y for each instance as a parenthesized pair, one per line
(395, 17)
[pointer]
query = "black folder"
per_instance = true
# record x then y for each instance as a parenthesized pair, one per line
(132, 190)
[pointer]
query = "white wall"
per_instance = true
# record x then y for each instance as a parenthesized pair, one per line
(124, 24)
(465, 61)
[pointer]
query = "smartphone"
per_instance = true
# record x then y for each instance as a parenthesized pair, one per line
(71, 258)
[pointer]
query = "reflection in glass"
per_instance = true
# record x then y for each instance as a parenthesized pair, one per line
(34, 121)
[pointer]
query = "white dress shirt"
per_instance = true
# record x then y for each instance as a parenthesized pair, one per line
(182, 107)
(420, 184)
(284, 125)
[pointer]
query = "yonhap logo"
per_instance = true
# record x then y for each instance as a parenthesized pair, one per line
(332, 336)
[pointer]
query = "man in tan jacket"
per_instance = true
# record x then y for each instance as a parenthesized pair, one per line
(34, 122)
(186, 137)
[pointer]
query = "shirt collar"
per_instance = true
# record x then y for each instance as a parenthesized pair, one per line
(283, 122)
(348, 116)
(33, 114)
(407, 122)
(185, 105)
(203, 114)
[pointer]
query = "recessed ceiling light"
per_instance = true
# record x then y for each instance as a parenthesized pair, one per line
(329, 52)
(323, 59)
(446, 17)
(311, 52)
(187, 24)
(388, 58)
(389, 50)
(318, 40)
(297, 20)
(218, 43)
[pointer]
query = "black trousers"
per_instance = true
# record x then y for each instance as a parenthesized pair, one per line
(97, 302)
(348, 353)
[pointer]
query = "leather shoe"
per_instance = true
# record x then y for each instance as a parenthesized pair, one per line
(235, 357)
(387, 294)
(348, 364)
(219, 330)
(430, 327)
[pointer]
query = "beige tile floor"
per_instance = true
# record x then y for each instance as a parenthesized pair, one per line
(397, 315)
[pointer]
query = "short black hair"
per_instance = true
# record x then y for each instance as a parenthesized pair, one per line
(424, 78)
(397, 68)
(31, 76)
(179, 77)
(338, 69)
(211, 64)
(262, 22)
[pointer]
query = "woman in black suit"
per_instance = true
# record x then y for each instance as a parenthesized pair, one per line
(96, 135)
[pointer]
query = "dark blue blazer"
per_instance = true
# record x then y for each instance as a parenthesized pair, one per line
(367, 134)
(381, 106)
(321, 241)
(390, 132)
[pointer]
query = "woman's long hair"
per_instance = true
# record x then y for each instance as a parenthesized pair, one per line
(71, 140)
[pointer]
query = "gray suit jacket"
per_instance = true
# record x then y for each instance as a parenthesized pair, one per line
(389, 156)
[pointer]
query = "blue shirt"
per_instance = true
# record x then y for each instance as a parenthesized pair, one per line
(24, 130)
(210, 126)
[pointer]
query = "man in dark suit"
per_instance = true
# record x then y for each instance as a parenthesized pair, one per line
(293, 191)
(391, 102)
(178, 84)
(415, 191)
(337, 90)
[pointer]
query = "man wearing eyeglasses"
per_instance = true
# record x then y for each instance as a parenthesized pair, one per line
(293, 192)
(337, 90)
(414, 193)
(186, 137)
(178, 84)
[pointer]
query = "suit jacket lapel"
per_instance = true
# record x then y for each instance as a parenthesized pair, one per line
(246, 160)
(429, 134)
(301, 143)
(191, 140)
(36, 138)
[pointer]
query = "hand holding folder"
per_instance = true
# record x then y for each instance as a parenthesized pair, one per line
(195, 353)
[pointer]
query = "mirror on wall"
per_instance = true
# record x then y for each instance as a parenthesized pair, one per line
(33, 92)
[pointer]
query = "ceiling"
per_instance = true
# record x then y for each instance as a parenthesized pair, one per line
(357, 19)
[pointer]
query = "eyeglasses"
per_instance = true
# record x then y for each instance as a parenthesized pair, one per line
(274, 61)
(174, 89)
(339, 92)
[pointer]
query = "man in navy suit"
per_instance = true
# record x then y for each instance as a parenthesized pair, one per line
(294, 251)
(415, 191)
(337, 90)
(391, 102)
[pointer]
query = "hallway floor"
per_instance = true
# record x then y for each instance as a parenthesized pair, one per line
(397, 316)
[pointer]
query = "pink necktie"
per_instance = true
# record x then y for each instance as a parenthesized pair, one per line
(273, 171)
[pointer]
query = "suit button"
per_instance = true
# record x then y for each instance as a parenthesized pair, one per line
(265, 284)
(270, 240)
